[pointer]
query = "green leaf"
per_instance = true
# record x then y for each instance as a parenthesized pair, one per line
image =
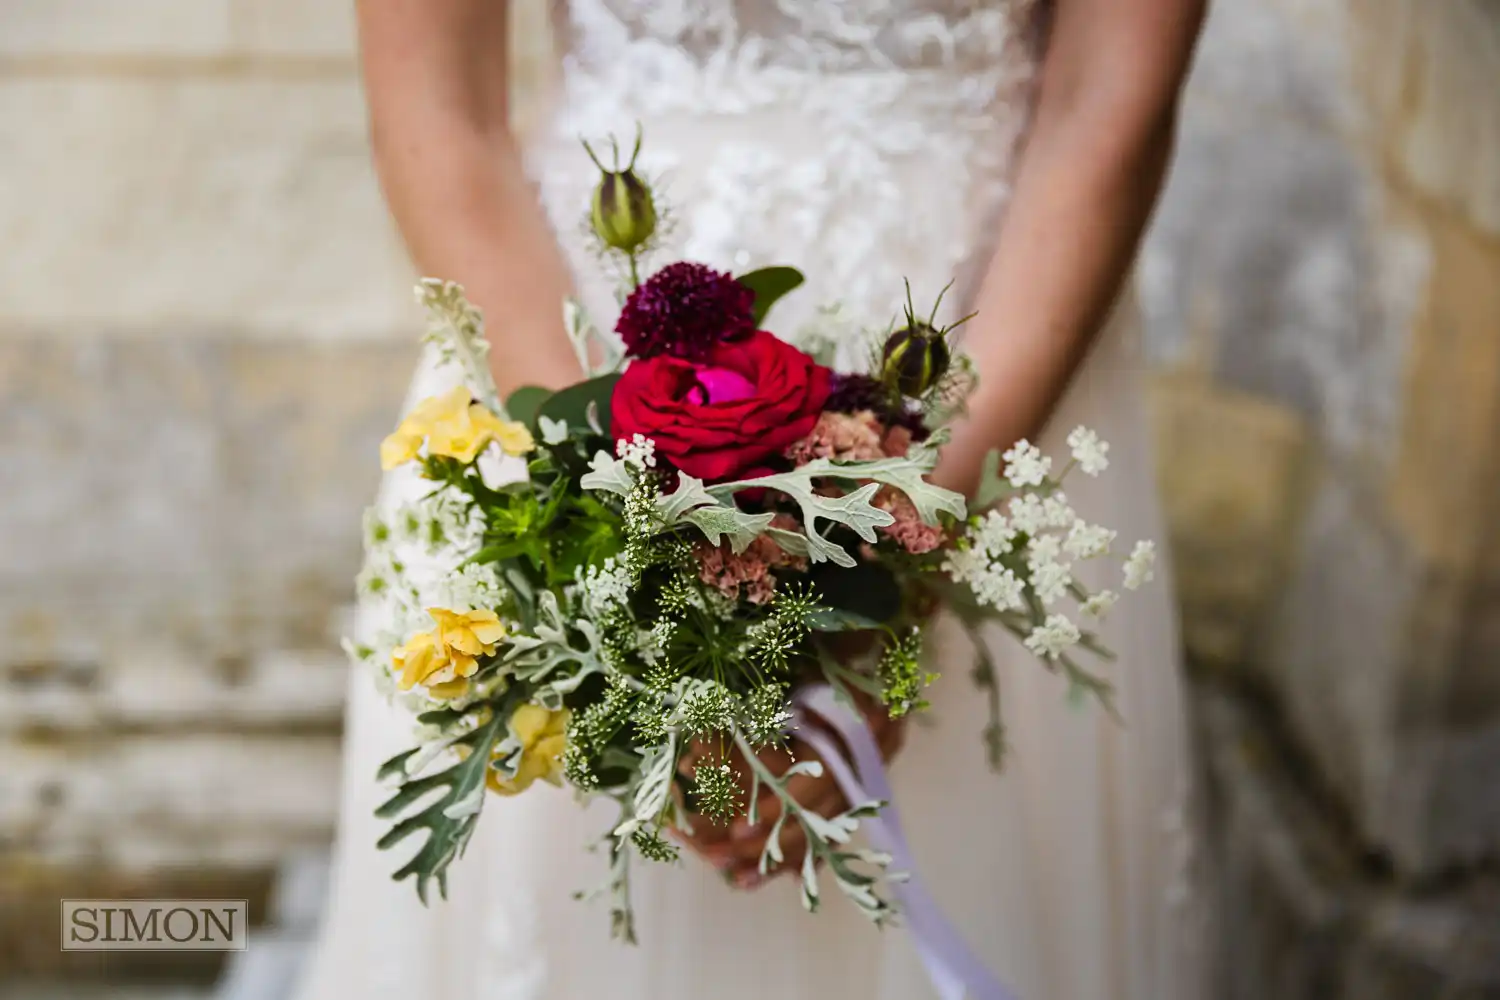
(741, 527)
(396, 766)
(769, 284)
(906, 475)
(449, 819)
(537, 657)
(572, 404)
(652, 794)
(854, 510)
(526, 402)
(609, 474)
(992, 485)
(793, 542)
(688, 495)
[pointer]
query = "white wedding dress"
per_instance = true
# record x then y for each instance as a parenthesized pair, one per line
(863, 141)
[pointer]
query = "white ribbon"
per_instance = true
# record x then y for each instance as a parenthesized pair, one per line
(955, 971)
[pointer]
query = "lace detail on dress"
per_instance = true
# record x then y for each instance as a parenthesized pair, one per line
(866, 142)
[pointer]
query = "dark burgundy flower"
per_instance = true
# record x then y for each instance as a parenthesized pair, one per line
(685, 310)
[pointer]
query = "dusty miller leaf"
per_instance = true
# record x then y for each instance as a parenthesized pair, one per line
(449, 820)
(688, 495)
(904, 474)
(553, 431)
(608, 474)
(537, 657)
(718, 521)
(853, 510)
(456, 328)
(655, 788)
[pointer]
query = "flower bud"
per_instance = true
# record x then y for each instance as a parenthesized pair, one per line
(624, 213)
(915, 359)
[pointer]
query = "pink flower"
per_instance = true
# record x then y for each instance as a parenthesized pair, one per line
(747, 574)
(897, 442)
(908, 531)
(842, 437)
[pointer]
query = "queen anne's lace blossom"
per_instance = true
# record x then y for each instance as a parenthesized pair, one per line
(1085, 541)
(639, 451)
(1098, 605)
(1025, 465)
(993, 584)
(604, 587)
(1054, 637)
(1140, 567)
(1027, 513)
(995, 534)
(1022, 559)
(1089, 452)
(1050, 580)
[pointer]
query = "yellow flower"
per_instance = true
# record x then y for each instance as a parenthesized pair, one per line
(399, 447)
(468, 633)
(444, 659)
(542, 735)
(454, 426)
(403, 444)
(514, 438)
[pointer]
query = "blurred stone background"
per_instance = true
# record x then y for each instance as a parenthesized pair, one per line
(205, 329)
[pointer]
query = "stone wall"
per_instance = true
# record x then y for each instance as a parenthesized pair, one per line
(1323, 284)
(205, 327)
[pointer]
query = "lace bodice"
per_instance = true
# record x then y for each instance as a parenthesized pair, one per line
(864, 141)
(955, 36)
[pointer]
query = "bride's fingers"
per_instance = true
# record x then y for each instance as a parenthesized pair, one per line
(891, 739)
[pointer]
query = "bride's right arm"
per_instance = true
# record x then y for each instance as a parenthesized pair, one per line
(435, 80)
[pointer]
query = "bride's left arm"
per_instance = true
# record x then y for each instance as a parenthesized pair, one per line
(1087, 180)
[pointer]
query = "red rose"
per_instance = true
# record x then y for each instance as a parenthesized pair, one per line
(717, 419)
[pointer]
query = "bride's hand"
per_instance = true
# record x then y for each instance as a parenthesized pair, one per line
(735, 848)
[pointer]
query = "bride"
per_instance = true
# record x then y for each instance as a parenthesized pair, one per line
(1016, 144)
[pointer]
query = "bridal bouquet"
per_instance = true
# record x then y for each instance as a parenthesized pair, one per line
(675, 543)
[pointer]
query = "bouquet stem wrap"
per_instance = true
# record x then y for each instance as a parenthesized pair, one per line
(955, 971)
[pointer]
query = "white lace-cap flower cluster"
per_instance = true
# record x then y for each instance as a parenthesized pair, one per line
(1020, 557)
(639, 451)
(604, 587)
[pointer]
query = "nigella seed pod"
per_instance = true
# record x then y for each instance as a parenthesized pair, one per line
(917, 356)
(915, 359)
(623, 212)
